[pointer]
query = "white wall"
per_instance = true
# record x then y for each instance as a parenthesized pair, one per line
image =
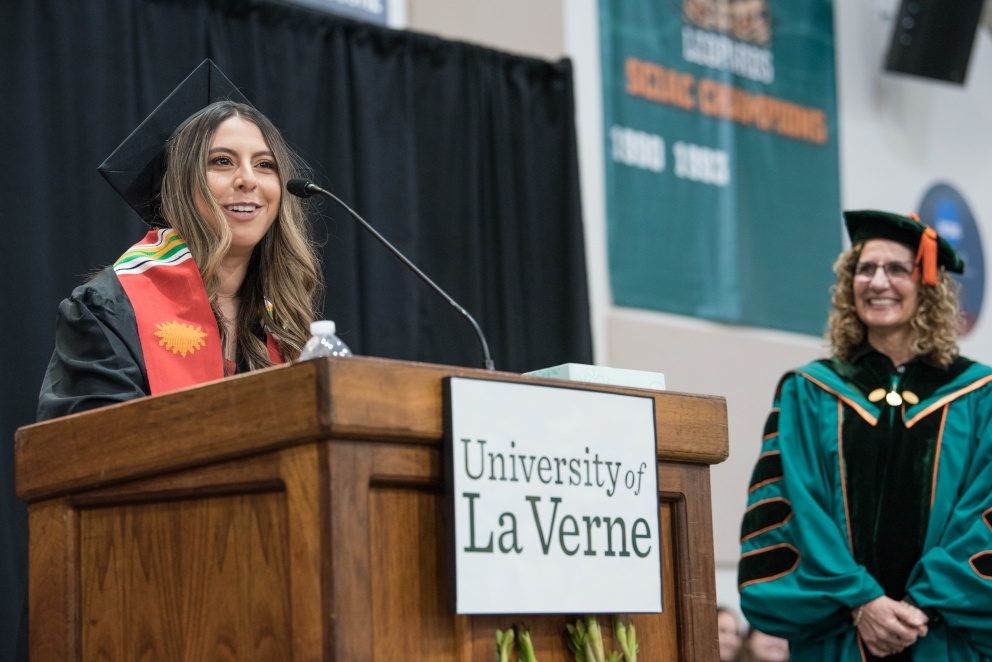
(898, 136)
(525, 27)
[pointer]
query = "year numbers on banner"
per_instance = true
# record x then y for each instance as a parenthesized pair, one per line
(701, 164)
(638, 148)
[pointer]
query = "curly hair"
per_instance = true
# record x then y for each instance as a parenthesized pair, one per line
(283, 267)
(934, 325)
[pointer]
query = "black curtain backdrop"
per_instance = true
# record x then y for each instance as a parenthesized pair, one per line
(463, 157)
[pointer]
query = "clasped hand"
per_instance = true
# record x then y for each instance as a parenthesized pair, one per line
(888, 626)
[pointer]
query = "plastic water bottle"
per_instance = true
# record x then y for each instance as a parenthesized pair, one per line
(323, 342)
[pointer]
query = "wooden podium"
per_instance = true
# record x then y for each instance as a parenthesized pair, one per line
(298, 513)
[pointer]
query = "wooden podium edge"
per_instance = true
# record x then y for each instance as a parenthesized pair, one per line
(353, 398)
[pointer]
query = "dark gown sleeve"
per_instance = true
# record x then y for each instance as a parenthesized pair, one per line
(97, 359)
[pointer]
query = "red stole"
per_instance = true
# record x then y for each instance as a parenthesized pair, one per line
(177, 329)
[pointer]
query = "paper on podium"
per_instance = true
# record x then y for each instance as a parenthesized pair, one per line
(595, 374)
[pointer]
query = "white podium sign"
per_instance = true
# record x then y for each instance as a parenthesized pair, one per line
(554, 499)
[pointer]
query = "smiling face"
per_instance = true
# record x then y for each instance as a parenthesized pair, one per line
(244, 182)
(885, 304)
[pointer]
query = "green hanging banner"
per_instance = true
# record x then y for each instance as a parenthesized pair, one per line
(722, 183)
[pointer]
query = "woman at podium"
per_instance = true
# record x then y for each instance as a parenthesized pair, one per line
(226, 280)
(868, 532)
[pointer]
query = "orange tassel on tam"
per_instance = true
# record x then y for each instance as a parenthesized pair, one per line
(926, 257)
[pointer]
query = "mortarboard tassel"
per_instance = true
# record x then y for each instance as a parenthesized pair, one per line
(926, 257)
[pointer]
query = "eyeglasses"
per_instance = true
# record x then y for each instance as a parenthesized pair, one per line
(894, 271)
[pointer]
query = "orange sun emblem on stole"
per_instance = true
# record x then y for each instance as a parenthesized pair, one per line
(180, 338)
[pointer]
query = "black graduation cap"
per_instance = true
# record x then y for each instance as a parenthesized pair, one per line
(931, 249)
(136, 167)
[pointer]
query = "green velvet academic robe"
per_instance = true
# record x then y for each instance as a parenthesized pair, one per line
(853, 498)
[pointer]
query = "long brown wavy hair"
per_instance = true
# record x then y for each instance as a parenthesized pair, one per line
(934, 325)
(283, 267)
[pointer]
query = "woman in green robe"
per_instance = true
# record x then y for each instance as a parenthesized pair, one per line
(868, 532)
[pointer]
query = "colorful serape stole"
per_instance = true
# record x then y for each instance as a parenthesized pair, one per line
(177, 329)
(176, 326)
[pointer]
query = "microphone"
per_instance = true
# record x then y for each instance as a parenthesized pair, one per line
(302, 188)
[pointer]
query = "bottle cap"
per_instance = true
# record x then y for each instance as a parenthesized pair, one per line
(322, 328)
